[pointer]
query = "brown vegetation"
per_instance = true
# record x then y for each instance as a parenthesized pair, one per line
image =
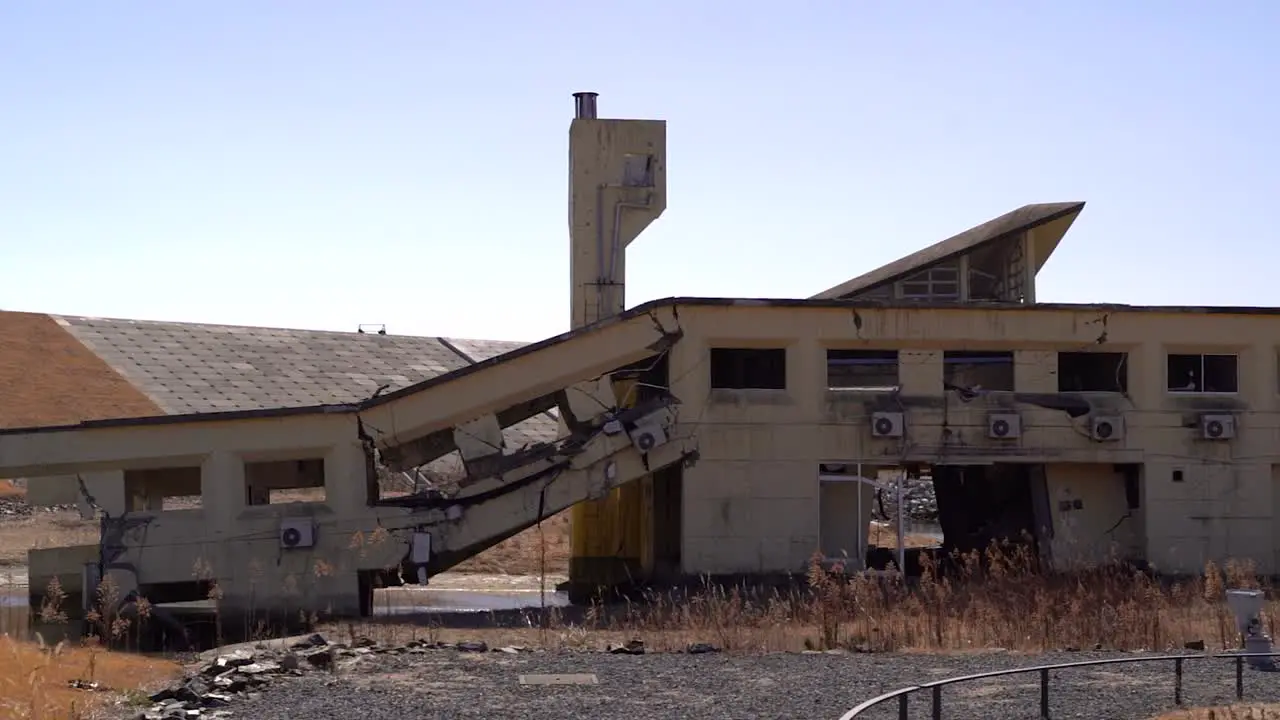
(998, 600)
(1234, 712)
(68, 682)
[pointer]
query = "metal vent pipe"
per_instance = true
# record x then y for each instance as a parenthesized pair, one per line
(584, 105)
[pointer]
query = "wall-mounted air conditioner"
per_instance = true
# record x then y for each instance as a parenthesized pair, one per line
(647, 435)
(1004, 426)
(297, 533)
(887, 424)
(1217, 426)
(1106, 428)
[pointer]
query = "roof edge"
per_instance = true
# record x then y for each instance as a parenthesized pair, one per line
(639, 310)
(869, 279)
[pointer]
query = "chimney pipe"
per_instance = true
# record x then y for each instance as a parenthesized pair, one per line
(584, 105)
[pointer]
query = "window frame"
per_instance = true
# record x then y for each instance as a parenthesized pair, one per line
(1168, 356)
(1123, 367)
(939, 275)
(975, 358)
(868, 361)
(712, 364)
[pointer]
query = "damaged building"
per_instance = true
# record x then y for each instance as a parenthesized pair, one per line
(690, 436)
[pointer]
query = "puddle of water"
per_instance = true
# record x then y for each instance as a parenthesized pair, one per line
(407, 603)
(462, 601)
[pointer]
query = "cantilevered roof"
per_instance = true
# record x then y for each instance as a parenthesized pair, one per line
(1053, 220)
(189, 368)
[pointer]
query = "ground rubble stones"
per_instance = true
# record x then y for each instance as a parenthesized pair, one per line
(214, 685)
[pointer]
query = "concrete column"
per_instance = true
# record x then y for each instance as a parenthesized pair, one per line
(345, 489)
(222, 487)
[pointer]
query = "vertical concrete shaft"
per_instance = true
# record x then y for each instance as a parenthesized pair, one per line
(617, 186)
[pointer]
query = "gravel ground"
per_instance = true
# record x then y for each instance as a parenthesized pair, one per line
(448, 684)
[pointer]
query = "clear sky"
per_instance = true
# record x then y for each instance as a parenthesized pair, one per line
(319, 164)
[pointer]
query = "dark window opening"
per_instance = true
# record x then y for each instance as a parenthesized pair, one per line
(163, 489)
(1093, 372)
(278, 482)
(978, 369)
(862, 369)
(749, 369)
(1203, 373)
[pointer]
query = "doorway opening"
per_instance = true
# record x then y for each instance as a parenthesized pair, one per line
(946, 511)
(1004, 504)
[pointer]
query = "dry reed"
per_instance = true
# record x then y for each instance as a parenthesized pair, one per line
(996, 599)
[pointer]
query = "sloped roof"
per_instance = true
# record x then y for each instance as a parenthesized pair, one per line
(48, 378)
(180, 368)
(1055, 218)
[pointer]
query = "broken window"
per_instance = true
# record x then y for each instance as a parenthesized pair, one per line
(163, 489)
(862, 369)
(1093, 372)
(941, 282)
(749, 368)
(1203, 373)
(284, 481)
(637, 170)
(978, 369)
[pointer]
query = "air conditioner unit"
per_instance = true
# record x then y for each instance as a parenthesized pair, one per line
(297, 533)
(646, 436)
(1106, 428)
(887, 424)
(1217, 426)
(1004, 426)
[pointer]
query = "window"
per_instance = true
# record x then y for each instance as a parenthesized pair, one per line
(1203, 373)
(163, 489)
(278, 482)
(749, 369)
(937, 283)
(977, 370)
(1093, 372)
(862, 369)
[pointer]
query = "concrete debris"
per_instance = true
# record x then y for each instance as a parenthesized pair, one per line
(214, 685)
(16, 507)
(918, 499)
(635, 647)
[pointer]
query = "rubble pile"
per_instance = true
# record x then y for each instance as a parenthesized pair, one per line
(211, 688)
(921, 504)
(18, 508)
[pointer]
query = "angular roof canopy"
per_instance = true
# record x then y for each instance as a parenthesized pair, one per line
(1052, 220)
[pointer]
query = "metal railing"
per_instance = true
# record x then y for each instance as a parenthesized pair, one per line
(903, 695)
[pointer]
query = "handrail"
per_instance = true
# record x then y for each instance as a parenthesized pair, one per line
(903, 694)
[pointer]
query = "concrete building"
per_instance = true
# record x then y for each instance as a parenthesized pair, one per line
(691, 435)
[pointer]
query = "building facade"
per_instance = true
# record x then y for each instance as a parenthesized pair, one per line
(692, 436)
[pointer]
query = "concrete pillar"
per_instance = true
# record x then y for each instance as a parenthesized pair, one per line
(345, 489)
(222, 489)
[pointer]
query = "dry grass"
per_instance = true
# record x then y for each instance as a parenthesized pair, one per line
(36, 683)
(1233, 712)
(993, 600)
(886, 536)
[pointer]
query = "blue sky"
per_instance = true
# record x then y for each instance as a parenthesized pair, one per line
(322, 164)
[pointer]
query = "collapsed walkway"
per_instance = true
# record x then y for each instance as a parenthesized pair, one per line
(325, 555)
